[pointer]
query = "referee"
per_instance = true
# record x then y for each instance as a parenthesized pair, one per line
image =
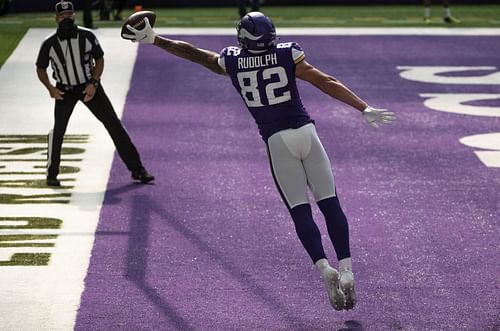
(77, 62)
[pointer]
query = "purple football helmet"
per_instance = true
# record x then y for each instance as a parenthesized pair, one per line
(256, 32)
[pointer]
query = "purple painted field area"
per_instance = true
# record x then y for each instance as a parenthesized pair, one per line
(210, 246)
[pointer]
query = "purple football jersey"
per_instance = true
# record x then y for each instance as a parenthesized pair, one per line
(266, 82)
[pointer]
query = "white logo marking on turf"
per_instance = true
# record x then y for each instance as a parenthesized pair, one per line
(490, 142)
(435, 75)
(454, 103)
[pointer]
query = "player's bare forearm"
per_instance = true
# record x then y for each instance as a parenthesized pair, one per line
(339, 91)
(98, 68)
(329, 85)
(190, 52)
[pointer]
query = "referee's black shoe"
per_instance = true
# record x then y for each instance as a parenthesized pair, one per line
(53, 182)
(142, 175)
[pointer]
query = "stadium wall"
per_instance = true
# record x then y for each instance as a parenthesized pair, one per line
(48, 5)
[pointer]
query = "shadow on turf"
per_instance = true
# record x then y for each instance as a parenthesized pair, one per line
(143, 209)
(137, 256)
(352, 325)
(112, 196)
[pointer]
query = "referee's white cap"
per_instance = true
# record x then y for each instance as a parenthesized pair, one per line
(64, 6)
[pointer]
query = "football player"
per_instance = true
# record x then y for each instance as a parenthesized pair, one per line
(264, 73)
(447, 17)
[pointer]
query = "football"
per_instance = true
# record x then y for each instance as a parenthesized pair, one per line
(136, 20)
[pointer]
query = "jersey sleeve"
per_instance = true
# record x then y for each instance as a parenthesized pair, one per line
(298, 54)
(43, 59)
(97, 51)
(222, 59)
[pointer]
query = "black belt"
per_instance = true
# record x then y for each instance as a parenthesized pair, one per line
(70, 87)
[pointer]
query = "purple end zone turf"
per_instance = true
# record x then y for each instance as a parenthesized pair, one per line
(210, 246)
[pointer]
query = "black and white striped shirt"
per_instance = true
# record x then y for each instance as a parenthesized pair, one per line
(71, 59)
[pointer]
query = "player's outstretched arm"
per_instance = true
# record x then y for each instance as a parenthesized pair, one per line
(328, 85)
(339, 91)
(190, 52)
(178, 48)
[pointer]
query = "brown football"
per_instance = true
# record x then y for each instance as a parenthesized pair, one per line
(136, 20)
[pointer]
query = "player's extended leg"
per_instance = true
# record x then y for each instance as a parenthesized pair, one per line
(62, 112)
(338, 230)
(102, 108)
(285, 151)
(447, 17)
(255, 5)
(242, 7)
(118, 6)
(290, 179)
(427, 12)
(321, 181)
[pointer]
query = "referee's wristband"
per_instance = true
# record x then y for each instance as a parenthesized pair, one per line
(94, 82)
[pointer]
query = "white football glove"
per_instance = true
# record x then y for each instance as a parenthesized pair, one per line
(145, 36)
(375, 116)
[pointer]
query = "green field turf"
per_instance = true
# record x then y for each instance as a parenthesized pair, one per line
(14, 26)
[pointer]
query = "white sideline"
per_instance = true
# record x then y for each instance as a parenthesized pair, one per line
(48, 297)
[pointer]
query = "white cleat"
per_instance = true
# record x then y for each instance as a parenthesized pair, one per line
(337, 298)
(347, 287)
